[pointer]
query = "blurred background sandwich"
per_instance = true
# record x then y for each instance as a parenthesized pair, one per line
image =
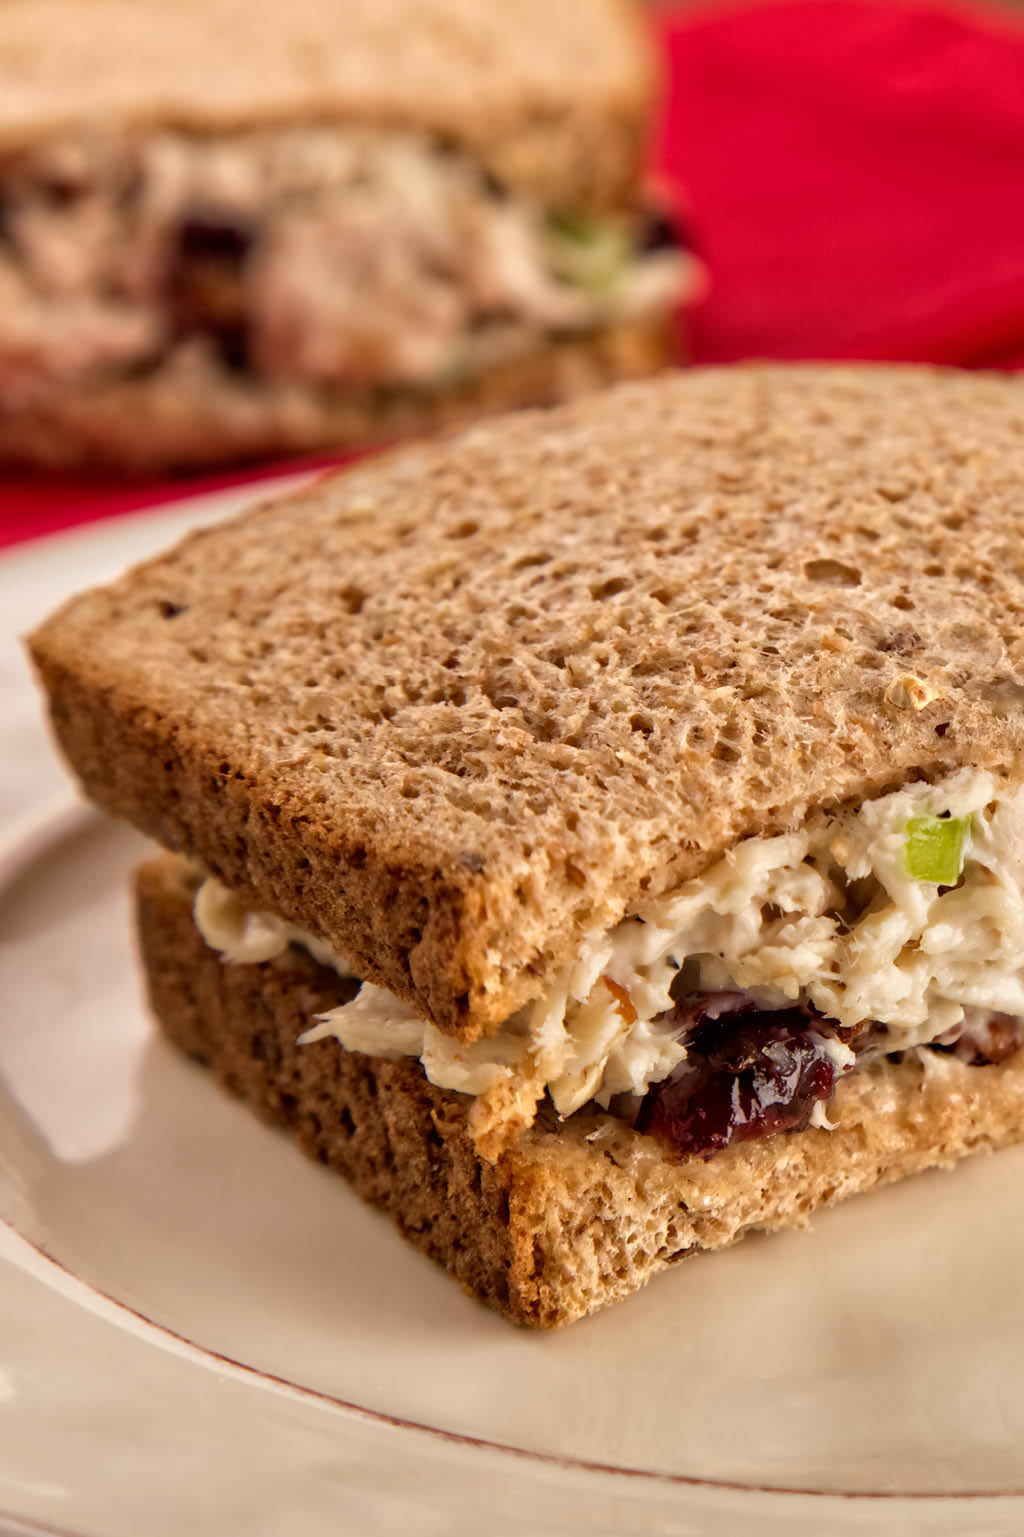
(231, 230)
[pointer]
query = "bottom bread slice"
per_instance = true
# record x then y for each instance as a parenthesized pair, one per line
(188, 415)
(576, 1214)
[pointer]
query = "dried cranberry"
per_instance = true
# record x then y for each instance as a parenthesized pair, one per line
(212, 236)
(747, 1075)
(664, 232)
(205, 279)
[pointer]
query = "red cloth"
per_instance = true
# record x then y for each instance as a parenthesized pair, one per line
(34, 505)
(855, 179)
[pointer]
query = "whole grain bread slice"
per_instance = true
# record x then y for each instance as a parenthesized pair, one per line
(458, 706)
(553, 99)
(572, 1217)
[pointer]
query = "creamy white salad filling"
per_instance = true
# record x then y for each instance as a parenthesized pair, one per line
(907, 911)
(331, 254)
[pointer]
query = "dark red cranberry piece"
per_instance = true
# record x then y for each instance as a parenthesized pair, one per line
(662, 232)
(212, 236)
(748, 1074)
(205, 279)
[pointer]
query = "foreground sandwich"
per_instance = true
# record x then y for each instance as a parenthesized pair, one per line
(658, 765)
(230, 229)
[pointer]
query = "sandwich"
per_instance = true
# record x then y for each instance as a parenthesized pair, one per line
(230, 230)
(600, 834)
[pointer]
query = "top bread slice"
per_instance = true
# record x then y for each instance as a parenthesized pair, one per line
(455, 707)
(553, 99)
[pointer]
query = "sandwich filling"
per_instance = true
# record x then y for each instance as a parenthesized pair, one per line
(317, 256)
(731, 1007)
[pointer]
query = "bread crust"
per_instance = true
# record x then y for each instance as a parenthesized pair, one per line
(458, 706)
(554, 100)
(174, 420)
(573, 1216)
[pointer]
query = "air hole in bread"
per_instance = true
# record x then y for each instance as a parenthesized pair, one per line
(832, 573)
(464, 530)
(902, 602)
(351, 598)
(538, 558)
(901, 641)
(610, 588)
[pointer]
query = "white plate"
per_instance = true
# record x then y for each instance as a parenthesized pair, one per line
(202, 1332)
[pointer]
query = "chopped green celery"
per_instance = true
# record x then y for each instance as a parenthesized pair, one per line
(935, 848)
(573, 225)
(588, 251)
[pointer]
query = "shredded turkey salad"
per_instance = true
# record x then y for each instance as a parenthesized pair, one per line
(330, 254)
(906, 911)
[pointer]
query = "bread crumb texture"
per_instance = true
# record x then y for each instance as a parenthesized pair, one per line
(574, 1215)
(455, 707)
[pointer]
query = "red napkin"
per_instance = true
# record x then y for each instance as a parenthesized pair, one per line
(856, 179)
(854, 174)
(33, 505)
